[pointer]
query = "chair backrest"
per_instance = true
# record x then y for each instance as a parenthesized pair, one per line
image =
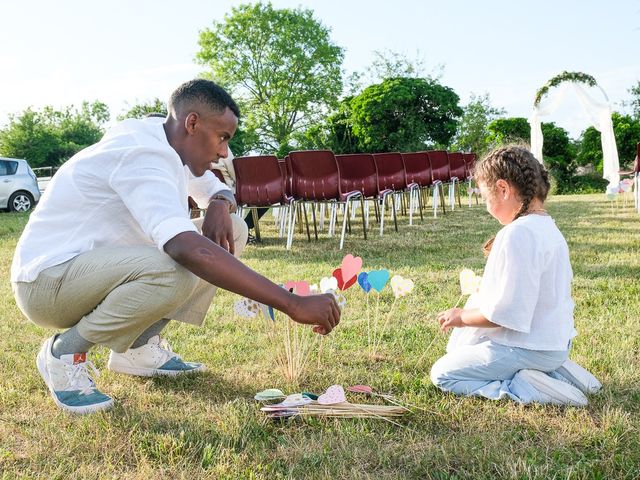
(390, 171)
(439, 165)
(258, 181)
(637, 162)
(358, 173)
(469, 163)
(314, 175)
(417, 168)
(286, 176)
(456, 165)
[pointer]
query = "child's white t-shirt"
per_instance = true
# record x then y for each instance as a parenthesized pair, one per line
(526, 286)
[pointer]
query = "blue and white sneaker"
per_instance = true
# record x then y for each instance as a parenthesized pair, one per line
(69, 381)
(154, 358)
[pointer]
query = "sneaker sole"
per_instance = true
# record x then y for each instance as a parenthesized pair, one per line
(152, 372)
(44, 373)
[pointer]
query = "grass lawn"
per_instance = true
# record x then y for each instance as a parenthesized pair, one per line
(208, 426)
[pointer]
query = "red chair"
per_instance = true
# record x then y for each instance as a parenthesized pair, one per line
(457, 174)
(259, 183)
(358, 172)
(636, 178)
(392, 181)
(418, 170)
(315, 179)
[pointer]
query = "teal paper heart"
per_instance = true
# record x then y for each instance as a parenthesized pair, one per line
(378, 279)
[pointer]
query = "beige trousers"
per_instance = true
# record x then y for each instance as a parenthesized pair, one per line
(114, 294)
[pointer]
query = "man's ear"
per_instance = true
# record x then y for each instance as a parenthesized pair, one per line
(190, 122)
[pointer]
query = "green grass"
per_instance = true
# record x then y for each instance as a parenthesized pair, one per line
(208, 426)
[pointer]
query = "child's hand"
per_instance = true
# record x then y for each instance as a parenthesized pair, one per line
(321, 311)
(450, 318)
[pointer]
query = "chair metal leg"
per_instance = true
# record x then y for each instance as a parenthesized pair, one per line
(395, 217)
(256, 225)
(384, 199)
(292, 222)
(306, 221)
(365, 216)
(313, 213)
(345, 218)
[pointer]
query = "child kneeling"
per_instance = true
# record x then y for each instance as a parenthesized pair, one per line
(513, 337)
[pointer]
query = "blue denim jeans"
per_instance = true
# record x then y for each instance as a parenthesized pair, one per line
(490, 370)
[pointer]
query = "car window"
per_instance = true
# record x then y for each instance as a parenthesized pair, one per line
(8, 168)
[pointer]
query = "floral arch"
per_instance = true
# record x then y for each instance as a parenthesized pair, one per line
(598, 113)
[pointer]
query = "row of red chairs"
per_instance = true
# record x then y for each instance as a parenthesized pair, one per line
(318, 177)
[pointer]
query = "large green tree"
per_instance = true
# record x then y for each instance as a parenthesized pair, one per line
(404, 114)
(141, 110)
(49, 137)
(635, 100)
(473, 132)
(280, 64)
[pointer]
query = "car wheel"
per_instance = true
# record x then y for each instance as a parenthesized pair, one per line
(20, 202)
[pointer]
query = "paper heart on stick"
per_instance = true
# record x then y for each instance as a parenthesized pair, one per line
(469, 282)
(378, 279)
(363, 281)
(294, 400)
(334, 394)
(328, 283)
(350, 266)
(299, 288)
(343, 284)
(269, 394)
(360, 389)
(246, 308)
(401, 286)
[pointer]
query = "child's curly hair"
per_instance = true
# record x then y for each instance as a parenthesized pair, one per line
(517, 165)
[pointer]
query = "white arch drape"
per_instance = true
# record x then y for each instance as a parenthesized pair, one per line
(598, 113)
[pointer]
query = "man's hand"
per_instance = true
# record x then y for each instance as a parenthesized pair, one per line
(217, 225)
(321, 311)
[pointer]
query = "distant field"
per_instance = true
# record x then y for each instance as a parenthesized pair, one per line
(208, 426)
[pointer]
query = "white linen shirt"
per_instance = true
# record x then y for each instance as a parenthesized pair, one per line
(526, 286)
(130, 188)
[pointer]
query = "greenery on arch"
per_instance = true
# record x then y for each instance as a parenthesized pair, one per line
(564, 77)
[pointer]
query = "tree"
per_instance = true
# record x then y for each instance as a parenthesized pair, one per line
(473, 133)
(635, 100)
(626, 131)
(280, 64)
(50, 137)
(404, 114)
(141, 110)
(509, 130)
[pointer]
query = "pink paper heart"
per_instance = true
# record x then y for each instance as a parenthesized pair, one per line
(350, 267)
(334, 394)
(360, 389)
(299, 288)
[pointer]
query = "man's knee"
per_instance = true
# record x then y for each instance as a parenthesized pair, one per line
(175, 280)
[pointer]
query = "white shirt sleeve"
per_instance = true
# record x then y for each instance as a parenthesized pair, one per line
(149, 182)
(511, 282)
(204, 187)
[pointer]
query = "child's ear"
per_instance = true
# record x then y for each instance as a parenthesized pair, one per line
(503, 188)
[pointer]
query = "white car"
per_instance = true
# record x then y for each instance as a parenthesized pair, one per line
(19, 190)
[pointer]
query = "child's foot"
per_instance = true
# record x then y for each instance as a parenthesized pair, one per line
(69, 381)
(559, 392)
(154, 358)
(578, 377)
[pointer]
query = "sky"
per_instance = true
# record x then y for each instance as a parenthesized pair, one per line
(124, 52)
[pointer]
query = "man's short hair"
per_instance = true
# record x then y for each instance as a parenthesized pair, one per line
(202, 92)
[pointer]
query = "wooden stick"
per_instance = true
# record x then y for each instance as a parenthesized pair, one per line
(376, 343)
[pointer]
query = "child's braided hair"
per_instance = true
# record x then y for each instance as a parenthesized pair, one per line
(517, 165)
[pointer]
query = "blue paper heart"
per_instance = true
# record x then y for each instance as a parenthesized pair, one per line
(378, 279)
(363, 281)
